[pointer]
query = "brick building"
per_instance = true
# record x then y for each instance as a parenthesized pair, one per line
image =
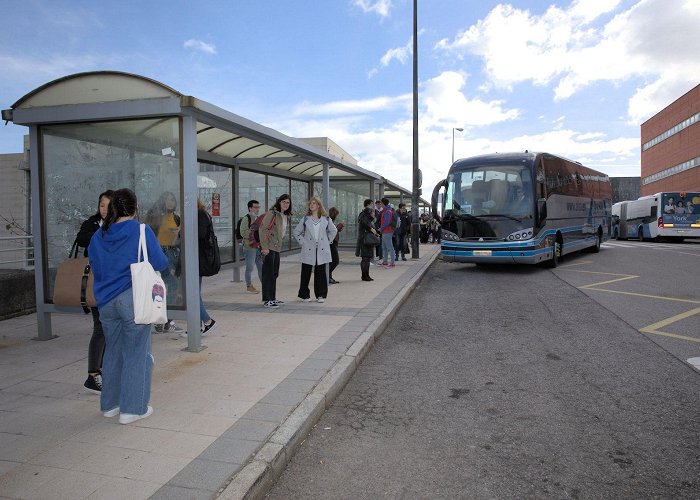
(670, 140)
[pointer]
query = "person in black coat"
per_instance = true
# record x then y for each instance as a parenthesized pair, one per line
(365, 222)
(96, 348)
(204, 225)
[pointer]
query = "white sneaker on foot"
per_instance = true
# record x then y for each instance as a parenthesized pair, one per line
(127, 418)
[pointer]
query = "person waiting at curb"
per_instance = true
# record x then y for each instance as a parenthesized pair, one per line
(402, 231)
(387, 231)
(333, 214)
(252, 255)
(365, 224)
(272, 231)
(314, 232)
(96, 347)
(128, 362)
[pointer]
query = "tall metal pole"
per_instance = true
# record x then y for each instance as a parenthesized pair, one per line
(416, 173)
(453, 142)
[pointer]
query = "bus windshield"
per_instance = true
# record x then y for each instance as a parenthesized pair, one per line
(489, 192)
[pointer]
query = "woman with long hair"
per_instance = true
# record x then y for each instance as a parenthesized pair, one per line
(128, 363)
(274, 227)
(96, 348)
(314, 232)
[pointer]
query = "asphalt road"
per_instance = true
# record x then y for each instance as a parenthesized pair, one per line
(654, 287)
(507, 382)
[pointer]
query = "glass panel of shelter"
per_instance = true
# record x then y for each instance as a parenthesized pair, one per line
(80, 161)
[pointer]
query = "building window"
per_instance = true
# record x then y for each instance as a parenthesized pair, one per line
(687, 165)
(672, 131)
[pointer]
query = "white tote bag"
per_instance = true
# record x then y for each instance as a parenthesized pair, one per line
(148, 288)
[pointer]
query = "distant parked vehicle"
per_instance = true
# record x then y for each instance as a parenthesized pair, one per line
(666, 215)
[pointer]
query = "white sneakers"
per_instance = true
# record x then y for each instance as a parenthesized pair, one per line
(127, 418)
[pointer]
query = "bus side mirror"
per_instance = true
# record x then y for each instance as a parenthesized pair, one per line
(541, 211)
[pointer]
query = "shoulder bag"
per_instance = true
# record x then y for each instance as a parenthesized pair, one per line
(370, 239)
(74, 281)
(147, 287)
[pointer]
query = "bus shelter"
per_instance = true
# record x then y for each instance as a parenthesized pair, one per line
(90, 132)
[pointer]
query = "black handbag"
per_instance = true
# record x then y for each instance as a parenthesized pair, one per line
(370, 239)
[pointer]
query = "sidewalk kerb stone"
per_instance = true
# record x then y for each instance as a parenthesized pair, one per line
(334, 381)
(251, 482)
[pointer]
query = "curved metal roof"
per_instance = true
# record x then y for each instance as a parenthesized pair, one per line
(115, 99)
(95, 86)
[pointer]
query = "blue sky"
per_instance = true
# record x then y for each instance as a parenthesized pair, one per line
(576, 78)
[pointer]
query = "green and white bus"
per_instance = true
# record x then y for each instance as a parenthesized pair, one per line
(521, 208)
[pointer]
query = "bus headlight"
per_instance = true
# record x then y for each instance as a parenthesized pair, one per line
(449, 235)
(522, 234)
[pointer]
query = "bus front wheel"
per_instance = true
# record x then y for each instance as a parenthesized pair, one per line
(556, 255)
(598, 240)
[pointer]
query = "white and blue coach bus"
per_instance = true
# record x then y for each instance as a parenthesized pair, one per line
(521, 208)
(660, 216)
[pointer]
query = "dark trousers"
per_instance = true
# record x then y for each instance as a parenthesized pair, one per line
(335, 259)
(97, 343)
(400, 245)
(270, 271)
(364, 266)
(320, 283)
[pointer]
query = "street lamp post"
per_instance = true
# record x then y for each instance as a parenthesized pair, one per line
(415, 195)
(453, 141)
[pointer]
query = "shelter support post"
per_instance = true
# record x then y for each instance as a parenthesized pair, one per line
(190, 238)
(235, 216)
(43, 317)
(326, 187)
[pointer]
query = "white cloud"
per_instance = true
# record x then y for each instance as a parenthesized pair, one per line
(353, 107)
(194, 44)
(380, 7)
(566, 48)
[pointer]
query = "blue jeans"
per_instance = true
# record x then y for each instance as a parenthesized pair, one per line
(203, 314)
(172, 283)
(252, 257)
(127, 366)
(388, 247)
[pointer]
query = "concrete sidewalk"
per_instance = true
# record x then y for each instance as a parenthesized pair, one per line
(226, 419)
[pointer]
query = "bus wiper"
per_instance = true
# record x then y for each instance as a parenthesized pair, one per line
(506, 216)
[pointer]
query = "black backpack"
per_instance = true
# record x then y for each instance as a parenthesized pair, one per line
(239, 236)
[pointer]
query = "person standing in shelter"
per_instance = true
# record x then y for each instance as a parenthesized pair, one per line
(314, 232)
(365, 224)
(387, 230)
(252, 255)
(272, 231)
(96, 348)
(378, 209)
(128, 362)
(165, 223)
(402, 231)
(204, 226)
(335, 258)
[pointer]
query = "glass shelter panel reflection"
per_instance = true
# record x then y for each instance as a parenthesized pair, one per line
(80, 161)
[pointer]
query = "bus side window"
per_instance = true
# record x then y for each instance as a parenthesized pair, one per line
(654, 212)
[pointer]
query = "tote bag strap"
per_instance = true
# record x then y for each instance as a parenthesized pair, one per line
(142, 244)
